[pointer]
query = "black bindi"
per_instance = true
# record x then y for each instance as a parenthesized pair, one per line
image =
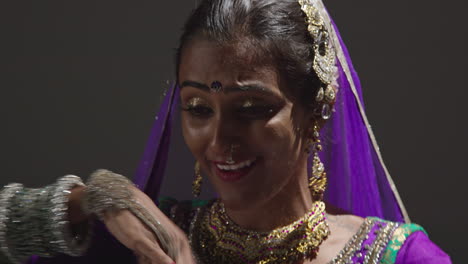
(216, 86)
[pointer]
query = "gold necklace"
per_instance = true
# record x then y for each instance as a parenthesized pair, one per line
(215, 238)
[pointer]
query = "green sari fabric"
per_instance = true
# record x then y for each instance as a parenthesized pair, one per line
(399, 237)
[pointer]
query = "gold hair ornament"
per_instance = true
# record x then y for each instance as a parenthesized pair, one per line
(324, 63)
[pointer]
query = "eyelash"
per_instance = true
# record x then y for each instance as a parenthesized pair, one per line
(256, 111)
(198, 111)
(251, 112)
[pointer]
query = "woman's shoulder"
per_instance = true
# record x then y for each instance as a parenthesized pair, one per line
(410, 243)
(393, 236)
(382, 241)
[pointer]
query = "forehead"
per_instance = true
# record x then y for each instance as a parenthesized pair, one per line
(206, 61)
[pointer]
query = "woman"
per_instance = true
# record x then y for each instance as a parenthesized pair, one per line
(271, 105)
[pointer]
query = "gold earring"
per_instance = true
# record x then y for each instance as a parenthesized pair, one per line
(318, 180)
(196, 185)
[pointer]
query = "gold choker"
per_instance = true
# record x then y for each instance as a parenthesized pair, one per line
(215, 238)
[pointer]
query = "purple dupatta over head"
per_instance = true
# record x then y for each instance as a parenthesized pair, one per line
(358, 180)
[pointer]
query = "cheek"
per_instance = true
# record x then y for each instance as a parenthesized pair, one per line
(281, 141)
(194, 135)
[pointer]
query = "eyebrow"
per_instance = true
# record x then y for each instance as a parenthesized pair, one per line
(197, 85)
(229, 89)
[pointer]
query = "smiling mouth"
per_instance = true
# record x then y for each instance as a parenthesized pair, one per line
(234, 172)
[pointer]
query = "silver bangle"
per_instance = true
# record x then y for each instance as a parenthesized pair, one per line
(5, 198)
(107, 191)
(67, 242)
(35, 221)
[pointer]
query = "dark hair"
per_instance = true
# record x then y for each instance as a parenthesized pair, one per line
(276, 28)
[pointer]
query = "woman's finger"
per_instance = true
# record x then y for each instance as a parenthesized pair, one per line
(136, 237)
(151, 251)
(142, 259)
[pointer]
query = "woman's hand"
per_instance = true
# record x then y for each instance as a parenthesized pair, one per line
(135, 235)
(123, 224)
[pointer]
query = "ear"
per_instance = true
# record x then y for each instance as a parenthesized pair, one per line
(307, 130)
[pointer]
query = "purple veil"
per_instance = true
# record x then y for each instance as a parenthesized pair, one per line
(358, 180)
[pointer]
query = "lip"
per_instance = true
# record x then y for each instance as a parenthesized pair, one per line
(232, 176)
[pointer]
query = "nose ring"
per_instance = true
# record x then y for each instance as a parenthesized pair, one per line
(230, 161)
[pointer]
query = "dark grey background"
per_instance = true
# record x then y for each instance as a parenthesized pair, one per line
(81, 81)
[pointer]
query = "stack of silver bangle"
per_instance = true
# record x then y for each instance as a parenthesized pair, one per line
(35, 221)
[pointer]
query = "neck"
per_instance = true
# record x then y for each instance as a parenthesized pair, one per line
(290, 204)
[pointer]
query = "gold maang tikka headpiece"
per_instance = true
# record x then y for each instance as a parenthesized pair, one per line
(324, 63)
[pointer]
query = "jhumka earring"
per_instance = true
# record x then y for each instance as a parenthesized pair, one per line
(196, 185)
(318, 179)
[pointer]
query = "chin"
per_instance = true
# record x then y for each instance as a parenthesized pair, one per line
(250, 192)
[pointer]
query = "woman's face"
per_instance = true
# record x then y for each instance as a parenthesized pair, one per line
(234, 106)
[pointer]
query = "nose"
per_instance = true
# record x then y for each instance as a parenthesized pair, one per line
(225, 134)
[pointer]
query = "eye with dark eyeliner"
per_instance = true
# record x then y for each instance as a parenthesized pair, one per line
(197, 109)
(256, 110)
